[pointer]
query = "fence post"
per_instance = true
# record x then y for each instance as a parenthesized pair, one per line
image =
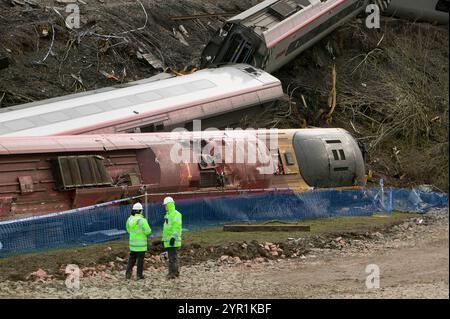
(382, 194)
(145, 204)
(391, 201)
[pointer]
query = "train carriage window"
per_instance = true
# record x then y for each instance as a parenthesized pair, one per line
(335, 155)
(158, 127)
(341, 152)
(442, 5)
(340, 169)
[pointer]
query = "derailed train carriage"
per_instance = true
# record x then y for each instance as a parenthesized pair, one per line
(217, 96)
(55, 173)
(434, 11)
(274, 32)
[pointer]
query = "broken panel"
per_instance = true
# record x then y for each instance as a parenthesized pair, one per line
(26, 184)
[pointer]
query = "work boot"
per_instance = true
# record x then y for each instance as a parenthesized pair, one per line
(128, 276)
(171, 276)
(140, 277)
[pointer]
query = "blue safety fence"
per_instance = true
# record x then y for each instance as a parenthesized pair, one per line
(106, 222)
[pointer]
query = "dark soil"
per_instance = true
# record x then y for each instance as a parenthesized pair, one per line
(79, 58)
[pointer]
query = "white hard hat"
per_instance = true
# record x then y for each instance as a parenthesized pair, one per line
(167, 200)
(137, 206)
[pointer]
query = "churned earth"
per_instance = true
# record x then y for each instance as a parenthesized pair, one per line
(412, 256)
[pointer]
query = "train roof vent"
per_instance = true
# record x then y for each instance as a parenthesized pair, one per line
(282, 9)
(80, 171)
(252, 71)
(286, 8)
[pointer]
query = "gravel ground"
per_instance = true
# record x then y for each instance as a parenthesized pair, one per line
(413, 259)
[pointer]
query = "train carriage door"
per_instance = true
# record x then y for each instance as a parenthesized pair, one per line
(239, 50)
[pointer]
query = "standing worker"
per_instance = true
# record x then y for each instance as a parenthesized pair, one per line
(138, 228)
(172, 235)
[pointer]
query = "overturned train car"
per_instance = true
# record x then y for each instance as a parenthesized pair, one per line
(274, 32)
(57, 173)
(217, 96)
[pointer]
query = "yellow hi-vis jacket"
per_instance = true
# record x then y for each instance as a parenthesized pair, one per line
(138, 228)
(172, 227)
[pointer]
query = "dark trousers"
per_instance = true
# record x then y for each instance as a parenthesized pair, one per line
(173, 261)
(139, 257)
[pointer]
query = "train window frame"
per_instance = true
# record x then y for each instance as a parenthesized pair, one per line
(234, 52)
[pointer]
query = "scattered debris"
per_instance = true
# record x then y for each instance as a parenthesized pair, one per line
(183, 30)
(50, 48)
(1, 98)
(66, 1)
(262, 227)
(110, 76)
(40, 276)
(180, 37)
(151, 59)
(208, 15)
(32, 3)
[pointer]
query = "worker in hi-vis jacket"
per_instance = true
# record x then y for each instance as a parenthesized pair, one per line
(172, 235)
(138, 228)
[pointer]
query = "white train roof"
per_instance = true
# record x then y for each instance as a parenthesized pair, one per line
(275, 20)
(57, 116)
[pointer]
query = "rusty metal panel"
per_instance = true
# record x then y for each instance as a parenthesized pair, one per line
(5, 206)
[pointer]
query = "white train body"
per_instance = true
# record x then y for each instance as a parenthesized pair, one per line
(145, 107)
(274, 32)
